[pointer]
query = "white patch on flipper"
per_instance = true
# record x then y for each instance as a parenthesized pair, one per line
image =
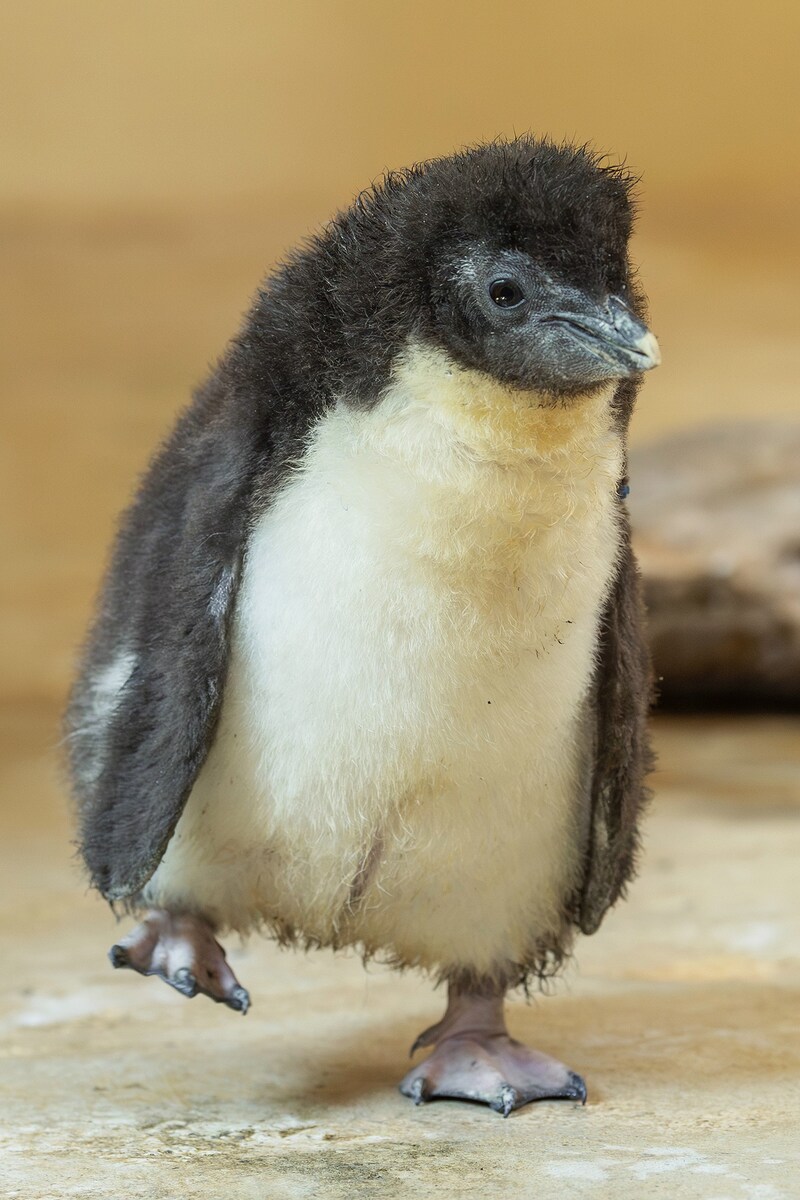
(414, 638)
(108, 683)
(98, 706)
(221, 595)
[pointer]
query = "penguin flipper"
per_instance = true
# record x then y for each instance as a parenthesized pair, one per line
(621, 754)
(144, 710)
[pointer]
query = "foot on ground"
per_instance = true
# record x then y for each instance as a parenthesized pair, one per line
(493, 1069)
(475, 1059)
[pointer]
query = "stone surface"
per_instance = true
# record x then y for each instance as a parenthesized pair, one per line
(716, 513)
(681, 1013)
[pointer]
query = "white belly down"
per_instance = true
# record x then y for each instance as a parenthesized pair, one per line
(399, 757)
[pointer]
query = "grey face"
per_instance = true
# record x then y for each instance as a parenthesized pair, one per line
(508, 316)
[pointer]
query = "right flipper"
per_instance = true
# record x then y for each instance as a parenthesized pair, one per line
(181, 950)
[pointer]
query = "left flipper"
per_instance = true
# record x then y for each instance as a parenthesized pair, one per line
(621, 754)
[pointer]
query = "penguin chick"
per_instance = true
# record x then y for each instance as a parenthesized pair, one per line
(368, 666)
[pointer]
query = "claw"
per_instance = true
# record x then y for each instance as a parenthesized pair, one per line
(508, 1101)
(118, 956)
(184, 981)
(577, 1088)
(239, 1000)
(426, 1038)
(419, 1090)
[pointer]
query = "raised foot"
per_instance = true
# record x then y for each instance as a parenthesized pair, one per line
(183, 951)
(492, 1069)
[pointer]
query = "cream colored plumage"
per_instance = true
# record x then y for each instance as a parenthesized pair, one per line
(399, 753)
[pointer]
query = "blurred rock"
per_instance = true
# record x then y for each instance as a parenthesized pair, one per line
(716, 517)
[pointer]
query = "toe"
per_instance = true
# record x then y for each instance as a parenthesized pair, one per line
(573, 1088)
(217, 981)
(184, 982)
(118, 956)
(417, 1088)
(507, 1101)
(238, 1000)
(136, 950)
(576, 1088)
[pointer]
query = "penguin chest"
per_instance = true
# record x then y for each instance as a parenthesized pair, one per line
(398, 755)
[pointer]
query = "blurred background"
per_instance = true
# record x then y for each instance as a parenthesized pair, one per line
(158, 158)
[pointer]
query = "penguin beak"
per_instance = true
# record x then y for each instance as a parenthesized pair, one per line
(611, 333)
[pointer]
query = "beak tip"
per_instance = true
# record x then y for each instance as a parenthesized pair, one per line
(648, 346)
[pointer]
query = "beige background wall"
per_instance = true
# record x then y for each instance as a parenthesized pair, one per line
(198, 100)
(157, 157)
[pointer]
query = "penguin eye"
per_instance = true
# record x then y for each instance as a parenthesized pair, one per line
(506, 293)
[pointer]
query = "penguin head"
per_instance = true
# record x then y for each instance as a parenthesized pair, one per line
(521, 252)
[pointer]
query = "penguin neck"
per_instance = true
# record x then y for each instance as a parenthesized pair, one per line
(489, 420)
(457, 443)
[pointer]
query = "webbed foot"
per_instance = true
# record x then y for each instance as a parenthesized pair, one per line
(181, 950)
(495, 1070)
(475, 1059)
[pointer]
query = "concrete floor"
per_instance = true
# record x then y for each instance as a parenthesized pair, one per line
(682, 1013)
